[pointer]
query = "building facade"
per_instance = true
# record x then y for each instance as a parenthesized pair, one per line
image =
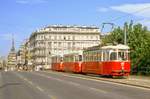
(21, 56)
(24, 61)
(58, 40)
(2, 62)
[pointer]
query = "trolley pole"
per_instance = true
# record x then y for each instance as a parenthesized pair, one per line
(103, 26)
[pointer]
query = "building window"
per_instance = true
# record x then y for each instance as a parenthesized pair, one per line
(69, 45)
(41, 37)
(50, 44)
(59, 44)
(91, 37)
(50, 37)
(55, 37)
(55, 44)
(64, 38)
(59, 37)
(87, 37)
(73, 37)
(68, 37)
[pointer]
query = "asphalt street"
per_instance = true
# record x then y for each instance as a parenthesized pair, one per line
(53, 85)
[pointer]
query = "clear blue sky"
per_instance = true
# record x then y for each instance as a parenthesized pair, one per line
(22, 17)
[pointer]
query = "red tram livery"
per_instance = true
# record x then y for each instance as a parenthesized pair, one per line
(106, 60)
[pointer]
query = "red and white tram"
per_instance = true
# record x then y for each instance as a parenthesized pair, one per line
(107, 60)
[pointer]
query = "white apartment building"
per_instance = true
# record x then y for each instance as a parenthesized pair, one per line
(58, 40)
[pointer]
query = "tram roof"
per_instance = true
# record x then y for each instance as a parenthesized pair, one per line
(120, 46)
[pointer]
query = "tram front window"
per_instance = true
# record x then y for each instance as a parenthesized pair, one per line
(113, 56)
(122, 56)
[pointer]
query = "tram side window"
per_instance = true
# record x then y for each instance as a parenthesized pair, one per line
(71, 58)
(52, 60)
(80, 57)
(76, 58)
(105, 56)
(108, 56)
(85, 56)
(95, 55)
(66, 59)
(99, 56)
(90, 56)
(56, 59)
(113, 56)
(61, 59)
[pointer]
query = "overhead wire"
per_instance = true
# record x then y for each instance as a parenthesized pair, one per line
(129, 14)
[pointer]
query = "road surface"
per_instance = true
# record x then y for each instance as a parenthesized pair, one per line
(53, 85)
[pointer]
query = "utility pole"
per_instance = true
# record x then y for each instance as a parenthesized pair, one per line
(125, 35)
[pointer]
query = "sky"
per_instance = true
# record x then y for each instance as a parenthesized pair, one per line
(22, 17)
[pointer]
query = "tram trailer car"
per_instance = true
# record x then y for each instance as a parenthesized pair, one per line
(57, 63)
(108, 60)
(72, 62)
